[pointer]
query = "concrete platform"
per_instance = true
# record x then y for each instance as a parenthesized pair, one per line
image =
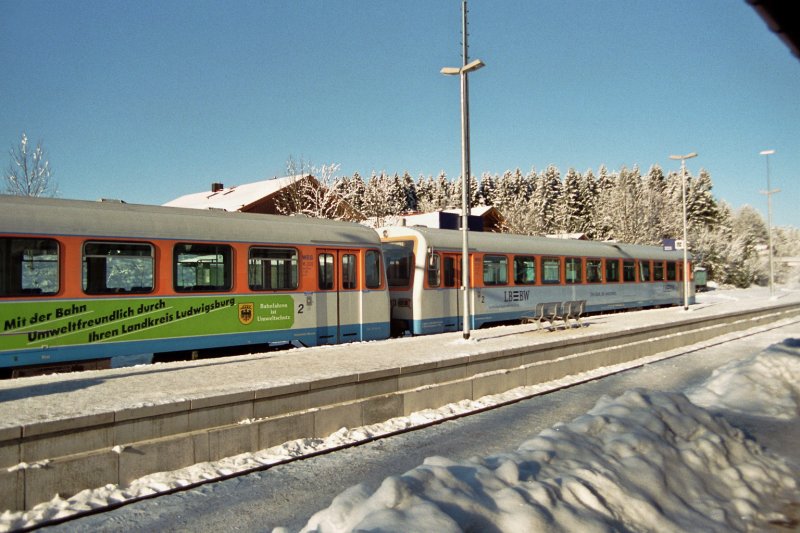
(62, 434)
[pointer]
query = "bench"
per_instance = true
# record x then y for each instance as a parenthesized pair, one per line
(546, 311)
(574, 310)
(553, 311)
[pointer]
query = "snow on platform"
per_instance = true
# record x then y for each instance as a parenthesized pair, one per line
(37, 399)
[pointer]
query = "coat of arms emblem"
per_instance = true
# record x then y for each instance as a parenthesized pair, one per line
(246, 313)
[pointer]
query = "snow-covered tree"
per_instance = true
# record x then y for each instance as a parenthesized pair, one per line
(603, 214)
(443, 195)
(588, 195)
(425, 194)
(656, 207)
(29, 172)
(319, 193)
(701, 207)
(486, 189)
(571, 207)
(544, 202)
(410, 193)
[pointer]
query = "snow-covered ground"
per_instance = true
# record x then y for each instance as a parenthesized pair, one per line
(641, 461)
(644, 461)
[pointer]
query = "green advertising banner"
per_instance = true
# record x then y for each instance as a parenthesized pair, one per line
(34, 324)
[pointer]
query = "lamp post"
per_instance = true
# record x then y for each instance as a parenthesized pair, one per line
(683, 159)
(462, 72)
(769, 192)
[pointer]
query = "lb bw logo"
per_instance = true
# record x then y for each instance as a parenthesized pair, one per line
(246, 313)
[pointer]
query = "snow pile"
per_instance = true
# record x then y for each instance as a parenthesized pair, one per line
(644, 461)
(762, 385)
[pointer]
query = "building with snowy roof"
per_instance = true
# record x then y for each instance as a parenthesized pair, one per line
(257, 197)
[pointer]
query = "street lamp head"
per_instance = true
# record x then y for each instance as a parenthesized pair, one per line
(766, 152)
(472, 66)
(681, 157)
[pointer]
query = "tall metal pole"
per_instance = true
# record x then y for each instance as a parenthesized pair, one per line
(462, 71)
(683, 159)
(769, 192)
(465, 174)
(685, 240)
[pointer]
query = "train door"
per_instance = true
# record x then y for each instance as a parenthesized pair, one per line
(339, 303)
(451, 296)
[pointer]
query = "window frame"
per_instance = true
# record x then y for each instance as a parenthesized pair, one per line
(349, 271)
(256, 264)
(14, 262)
(645, 271)
(90, 280)
(433, 270)
(326, 269)
(594, 266)
(224, 251)
(532, 269)
(628, 271)
(568, 262)
(497, 267)
(399, 266)
(671, 271)
(612, 275)
(375, 272)
(546, 261)
(659, 272)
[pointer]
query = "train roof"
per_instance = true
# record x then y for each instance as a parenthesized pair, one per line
(118, 220)
(443, 239)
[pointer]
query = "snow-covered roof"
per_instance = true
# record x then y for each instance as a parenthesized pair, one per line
(235, 198)
(575, 236)
(474, 211)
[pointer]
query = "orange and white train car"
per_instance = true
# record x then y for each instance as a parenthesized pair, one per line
(89, 281)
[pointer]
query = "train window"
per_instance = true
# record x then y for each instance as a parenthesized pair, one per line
(573, 269)
(524, 270)
(272, 269)
(672, 272)
(434, 270)
(594, 271)
(551, 270)
(628, 270)
(495, 270)
(202, 267)
(399, 259)
(452, 277)
(612, 270)
(117, 267)
(28, 267)
(348, 271)
(644, 270)
(658, 271)
(372, 267)
(325, 272)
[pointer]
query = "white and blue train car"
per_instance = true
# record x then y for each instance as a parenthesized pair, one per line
(510, 274)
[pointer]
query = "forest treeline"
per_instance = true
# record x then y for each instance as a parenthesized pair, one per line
(624, 205)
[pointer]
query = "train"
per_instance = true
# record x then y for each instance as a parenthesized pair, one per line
(87, 284)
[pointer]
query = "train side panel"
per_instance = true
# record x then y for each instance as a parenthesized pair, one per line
(129, 280)
(624, 277)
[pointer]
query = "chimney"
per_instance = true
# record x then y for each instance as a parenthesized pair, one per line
(216, 187)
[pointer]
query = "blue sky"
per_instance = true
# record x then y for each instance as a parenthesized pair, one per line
(149, 100)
